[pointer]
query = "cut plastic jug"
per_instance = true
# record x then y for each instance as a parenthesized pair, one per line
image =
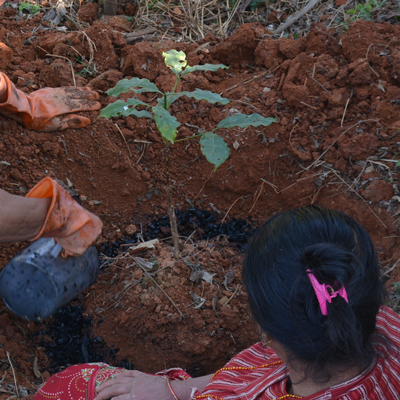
(37, 281)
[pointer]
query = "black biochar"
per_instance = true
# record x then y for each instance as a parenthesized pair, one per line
(205, 224)
(68, 340)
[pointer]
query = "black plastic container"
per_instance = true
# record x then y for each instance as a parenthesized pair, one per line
(37, 281)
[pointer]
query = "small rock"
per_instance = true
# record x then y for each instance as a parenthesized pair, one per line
(16, 174)
(131, 229)
(138, 274)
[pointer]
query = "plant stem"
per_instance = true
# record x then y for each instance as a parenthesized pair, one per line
(171, 210)
(165, 101)
(173, 92)
(172, 222)
(190, 137)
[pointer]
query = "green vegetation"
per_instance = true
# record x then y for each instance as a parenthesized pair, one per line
(365, 11)
(212, 145)
(29, 8)
(88, 69)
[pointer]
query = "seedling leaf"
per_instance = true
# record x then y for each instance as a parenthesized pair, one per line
(211, 97)
(243, 121)
(113, 110)
(121, 108)
(125, 85)
(214, 149)
(139, 114)
(136, 102)
(205, 67)
(166, 123)
(175, 60)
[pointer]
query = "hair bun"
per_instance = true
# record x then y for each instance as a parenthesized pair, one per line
(330, 264)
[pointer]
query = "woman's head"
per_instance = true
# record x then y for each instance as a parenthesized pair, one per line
(339, 253)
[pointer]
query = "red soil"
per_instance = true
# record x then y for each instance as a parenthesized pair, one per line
(336, 99)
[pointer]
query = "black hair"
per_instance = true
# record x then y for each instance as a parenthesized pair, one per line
(282, 300)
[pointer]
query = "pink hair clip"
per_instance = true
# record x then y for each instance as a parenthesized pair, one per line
(325, 292)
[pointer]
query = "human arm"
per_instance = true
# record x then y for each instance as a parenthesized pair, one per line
(3, 89)
(48, 211)
(48, 109)
(141, 386)
(21, 218)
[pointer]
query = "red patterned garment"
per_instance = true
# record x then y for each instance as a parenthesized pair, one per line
(256, 373)
(258, 379)
(79, 382)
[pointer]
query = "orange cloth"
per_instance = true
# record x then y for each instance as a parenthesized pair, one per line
(73, 227)
(49, 109)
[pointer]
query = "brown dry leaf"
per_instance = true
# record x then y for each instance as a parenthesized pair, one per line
(197, 274)
(223, 301)
(198, 300)
(207, 277)
(36, 369)
(143, 263)
(143, 246)
(229, 276)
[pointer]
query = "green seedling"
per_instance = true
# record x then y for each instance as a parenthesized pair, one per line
(152, 4)
(256, 3)
(365, 11)
(29, 8)
(88, 70)
(212, 145)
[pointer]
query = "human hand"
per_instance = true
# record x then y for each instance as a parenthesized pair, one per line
(134, 385)
(72, 226)
(48, 109)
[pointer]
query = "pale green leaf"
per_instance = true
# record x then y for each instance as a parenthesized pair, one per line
(166, 123)
(136, 102)
(114, 110)
(205, 67)
(136, 85)
(214, 149)
(243, 121)
(138, 114)
(175, 60)
(122, 108)
(211, 97)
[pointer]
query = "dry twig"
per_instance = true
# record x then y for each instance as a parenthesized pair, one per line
(293, 18)
(123, 137)
(230, 208)
(13, 372)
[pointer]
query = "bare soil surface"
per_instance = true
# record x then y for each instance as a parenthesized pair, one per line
(336, 100)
